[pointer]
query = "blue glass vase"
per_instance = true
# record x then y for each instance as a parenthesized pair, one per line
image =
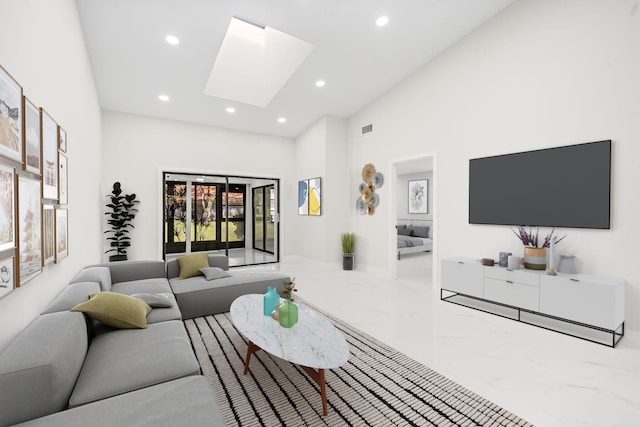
(271, 300)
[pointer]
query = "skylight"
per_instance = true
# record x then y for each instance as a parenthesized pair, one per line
(254, 63)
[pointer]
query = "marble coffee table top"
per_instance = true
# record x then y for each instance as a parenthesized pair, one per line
(312, 342)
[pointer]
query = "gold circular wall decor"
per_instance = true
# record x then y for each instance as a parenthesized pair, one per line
(369, 199)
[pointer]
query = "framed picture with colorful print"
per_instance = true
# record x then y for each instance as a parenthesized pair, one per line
(32, 138)
(29, 228)
(63, 179)
(7, 207)
(48, 234)
(62, 234)
(49, 156)
(7, 275)
(11, 112)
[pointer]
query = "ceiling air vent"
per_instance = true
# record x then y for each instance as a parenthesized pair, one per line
(366, 129)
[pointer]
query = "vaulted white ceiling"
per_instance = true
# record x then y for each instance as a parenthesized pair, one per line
(133, 64)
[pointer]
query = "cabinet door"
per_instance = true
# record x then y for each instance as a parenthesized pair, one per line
(511, 293)
(580, 300)
(463, 276)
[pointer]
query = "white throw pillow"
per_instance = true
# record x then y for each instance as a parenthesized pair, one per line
(212, 273)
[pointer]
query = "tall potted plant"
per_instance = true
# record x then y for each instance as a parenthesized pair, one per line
(348, 247)
(122, 211)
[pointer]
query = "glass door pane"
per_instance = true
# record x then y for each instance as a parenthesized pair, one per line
(204, 234)
(270, 199)
(258, 218)
(175, 217)
(236, 205)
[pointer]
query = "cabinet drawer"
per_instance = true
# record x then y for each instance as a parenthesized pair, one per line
(515, 294)
(462, 276)
(518, 276)
(590, 302)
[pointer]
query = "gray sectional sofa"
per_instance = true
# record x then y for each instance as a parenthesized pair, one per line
(66, 369)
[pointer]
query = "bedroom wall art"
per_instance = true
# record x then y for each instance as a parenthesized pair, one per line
(310, 197)
(33, 184)
(369, 199)
(418, 196)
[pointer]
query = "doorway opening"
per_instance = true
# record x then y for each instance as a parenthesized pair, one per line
(234, 215)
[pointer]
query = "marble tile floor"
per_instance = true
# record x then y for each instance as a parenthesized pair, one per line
(545, 377)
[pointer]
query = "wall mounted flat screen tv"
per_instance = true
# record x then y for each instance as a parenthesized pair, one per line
(566, 186)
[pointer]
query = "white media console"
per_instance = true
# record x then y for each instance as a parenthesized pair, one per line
(596, 303)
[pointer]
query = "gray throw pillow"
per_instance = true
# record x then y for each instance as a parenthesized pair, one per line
(420, 231)
(155, 300)
(212, 273)
(404, 231)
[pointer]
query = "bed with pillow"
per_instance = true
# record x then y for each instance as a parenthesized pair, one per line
(414, 238)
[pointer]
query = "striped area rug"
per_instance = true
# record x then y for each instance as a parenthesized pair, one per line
(377, 387)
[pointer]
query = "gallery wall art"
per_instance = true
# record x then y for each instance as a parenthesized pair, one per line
(11, 112)
(34, 180)
(29, 228)
(368, 200)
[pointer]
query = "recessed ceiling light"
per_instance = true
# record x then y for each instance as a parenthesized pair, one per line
(282, 120)
(382, 21)
(164, 98)
(320, 83)
(173, 40)
(231, 110)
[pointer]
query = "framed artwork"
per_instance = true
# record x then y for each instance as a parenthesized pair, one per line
(48, 234)
(32, 138)
(49, 156)
(303, 197)
(62, 237)
(62, 139)
(7, 207)
(29, 228)
(11, 112)
(63, 179)
(418, 196)
(7, 276)
(314, 197)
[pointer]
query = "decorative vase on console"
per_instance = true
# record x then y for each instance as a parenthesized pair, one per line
(288, 311)
(535, 251)
(271, 299)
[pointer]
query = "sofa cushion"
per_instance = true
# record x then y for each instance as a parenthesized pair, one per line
(147, 286)
(190, 265)
(155, 300)
(126, 271)
(38, 369)
(130, 359)
(212, 273)
(215, 260)
(185, 402)
(101, 275)
(117, 310)
(71, 296)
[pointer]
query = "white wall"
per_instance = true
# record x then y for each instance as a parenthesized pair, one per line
(320, 152)
(136, 149)
(540, 74)
(42, 46)
(402, 196)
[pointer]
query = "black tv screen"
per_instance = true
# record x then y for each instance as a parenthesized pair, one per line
(557, 187)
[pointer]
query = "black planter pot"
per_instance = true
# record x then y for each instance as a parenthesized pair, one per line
(114, 258)
(347, 261)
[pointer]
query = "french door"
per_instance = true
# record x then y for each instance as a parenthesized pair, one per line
(264, 214)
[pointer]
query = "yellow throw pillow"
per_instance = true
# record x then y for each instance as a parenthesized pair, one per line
(190, 265)
(117, 310)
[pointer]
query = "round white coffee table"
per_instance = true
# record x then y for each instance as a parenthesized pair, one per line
(313, 343)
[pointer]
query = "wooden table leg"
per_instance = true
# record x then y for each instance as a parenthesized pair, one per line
(318, 377)
(251, 348)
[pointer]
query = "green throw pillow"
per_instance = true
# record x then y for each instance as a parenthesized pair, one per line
(190, 265)
(117, 310)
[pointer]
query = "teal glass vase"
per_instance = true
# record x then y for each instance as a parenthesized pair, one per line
(271, 300)
(288, 314)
